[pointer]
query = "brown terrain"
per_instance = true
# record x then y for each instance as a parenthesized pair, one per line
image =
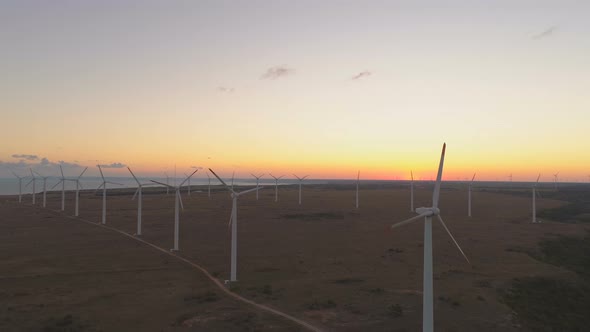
(324, 262)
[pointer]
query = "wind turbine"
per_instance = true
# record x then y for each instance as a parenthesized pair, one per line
(427, 213)
(232, 179)
(44, 188)
(300, 183)
(20, 186)
(234, 225)
(510, 178)
(555, 179)
(138, 193)
(177, 202)
(535, 200)
(358, 177)
(469, 196)
(257, 181)
(412, 192)
(104, 195)
(209, 186)
(33, 180)
(62, 180)
(188, 188)
(276, 186)
(78, 185)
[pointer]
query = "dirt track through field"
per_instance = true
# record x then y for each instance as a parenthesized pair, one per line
(217, 283)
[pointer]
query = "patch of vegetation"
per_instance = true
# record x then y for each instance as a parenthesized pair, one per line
(545, 304)
(202, 298)
(313, 216)
(572, 253)
(347, 281)
(67, 323)
(319, 305)
(570, 213)
(395, 310)
(447, 299)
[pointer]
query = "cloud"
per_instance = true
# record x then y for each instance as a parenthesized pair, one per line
(546, 33)
(32, 163)
(114, 165)
(25, 156)
(223, 89)
(273, 73)
(360, 75)
(66, 164)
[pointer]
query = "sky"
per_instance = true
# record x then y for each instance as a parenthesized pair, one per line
(323, 88)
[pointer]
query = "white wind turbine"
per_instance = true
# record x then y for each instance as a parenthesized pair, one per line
(177, 204)
(412, 192)
(276, 186)
(104, 194)
(44, 188)
(33, 180)
(257, 181)
(62, 180)
(535, 200)
(555, 179)
(138, 193)
(78, 185)
(234, 225)
(358, 178)
(20, 186)
(208, 186)
(427, 213)
(300, 183)
(469, 196)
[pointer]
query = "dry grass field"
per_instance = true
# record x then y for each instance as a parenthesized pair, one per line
(325, 262)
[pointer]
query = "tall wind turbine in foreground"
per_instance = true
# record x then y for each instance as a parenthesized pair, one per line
(300, 183)
(412, 192)
(276, 186)
(535, 200)
(358, 177)
(104, 195)
(44, 188)
(234, 225)
(138, 192)
(78, 185)
(177, 204)
(20, 187)
(427, 213)
(257, 181)
(469, 196)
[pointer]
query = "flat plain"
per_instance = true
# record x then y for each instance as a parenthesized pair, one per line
(325, 262)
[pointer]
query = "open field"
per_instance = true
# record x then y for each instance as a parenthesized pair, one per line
(325, 262)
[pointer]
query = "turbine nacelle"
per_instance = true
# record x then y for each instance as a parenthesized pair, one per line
(428, 211)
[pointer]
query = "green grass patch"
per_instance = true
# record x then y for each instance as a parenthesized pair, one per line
(572, 253)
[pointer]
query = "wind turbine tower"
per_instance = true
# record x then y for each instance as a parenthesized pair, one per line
(257, 182)
(234, 225)
(358, 178)
(20, 187)
(104, 194)
(427, 213)
(300, 183)
(276, 186)
(469, 196)
(535, 199)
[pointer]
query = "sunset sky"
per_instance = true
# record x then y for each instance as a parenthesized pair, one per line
(317, 87)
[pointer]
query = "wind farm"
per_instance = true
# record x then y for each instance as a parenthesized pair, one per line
(472, 213)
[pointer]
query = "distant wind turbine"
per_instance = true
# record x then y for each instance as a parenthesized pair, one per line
(44, 188)
(20, 186)
(427, 213)
(104, 194)
(300, 183)
(138, 193)
(177, 202)
(412, 192)
(358, 178)
(469, 196)
(209, 186)
(535, 200)
(555, 179)
(78, 185)
(234, 225)
(62, 180)
(33, 180)
(257, 181)
(276, 186)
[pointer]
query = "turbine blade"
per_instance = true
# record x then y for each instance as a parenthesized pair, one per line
(180, 198)
(135, 194)
(407, 221)
(188, 177)
(218, 178)
(79, 176)
(55, 185)
(62, 171)
(248, 191)
(80, 184)
(304, 177)
(436, 193)
(231, 216)
(452, 238)
(136, 180)
(163, 184)
(538, 177)
(261, 175)
(473, 178)
(101, 175)
(412, 175)
(298, 178)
